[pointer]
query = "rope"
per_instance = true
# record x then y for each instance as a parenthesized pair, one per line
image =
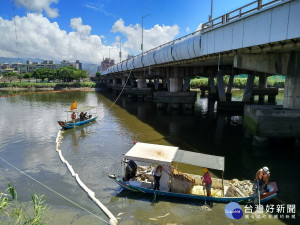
(52, 190)
(121, 91)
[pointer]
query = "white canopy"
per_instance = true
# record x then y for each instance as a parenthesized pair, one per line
(165, 155)
(200, 159)
(159, 154)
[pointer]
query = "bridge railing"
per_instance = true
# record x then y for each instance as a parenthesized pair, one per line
(235, 14)
(242, 11)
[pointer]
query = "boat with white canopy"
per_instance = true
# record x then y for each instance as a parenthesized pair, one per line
(88, 117)
(176, 183)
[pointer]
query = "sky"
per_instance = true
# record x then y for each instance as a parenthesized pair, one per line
(91, 30)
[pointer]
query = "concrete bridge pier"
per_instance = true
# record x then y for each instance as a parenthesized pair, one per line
(124, 79)
(229, 88)
(131, 81)
(292, 92)
(291, 99)
(212, 92)
(176, 84)
(186, 84)
(156, 84)
(175, 99)
(141, 83)
(262, 84)
(221, 87)
(166, 83)
(114, 81)
(247, 97)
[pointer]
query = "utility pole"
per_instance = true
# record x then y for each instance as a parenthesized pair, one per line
(120, 53)
(142, 45)
(211, 11)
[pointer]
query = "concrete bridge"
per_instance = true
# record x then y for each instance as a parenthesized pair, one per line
(258, 39)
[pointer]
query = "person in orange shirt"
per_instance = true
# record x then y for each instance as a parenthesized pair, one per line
(73, 116)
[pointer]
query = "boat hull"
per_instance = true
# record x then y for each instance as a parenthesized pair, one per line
(244, 200)
(70, 125)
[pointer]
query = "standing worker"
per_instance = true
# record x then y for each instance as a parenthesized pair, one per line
(263, 177)
(157, 175)
(73, 116)
(206, 181)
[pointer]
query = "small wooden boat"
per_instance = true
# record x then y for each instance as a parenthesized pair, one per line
(175, 183)
(89, 117)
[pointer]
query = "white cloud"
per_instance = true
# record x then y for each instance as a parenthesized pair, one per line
(187, 29)
(39, 6)
(76, 24)
(98, 7)
(39, 38)
(152, 37)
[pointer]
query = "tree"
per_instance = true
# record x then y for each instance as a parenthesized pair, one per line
(68, 74)
(10, 76)
(27, 75)
(98, 74)
(44, 73)
(20, 77)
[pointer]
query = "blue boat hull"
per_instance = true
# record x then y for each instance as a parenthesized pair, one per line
(69, 125)
(243, 200)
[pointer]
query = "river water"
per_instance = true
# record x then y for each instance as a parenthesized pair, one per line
(28, 131)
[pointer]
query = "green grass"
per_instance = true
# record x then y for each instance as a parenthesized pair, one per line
(14, 212)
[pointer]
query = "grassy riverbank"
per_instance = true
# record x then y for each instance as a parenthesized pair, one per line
(48, 85)
(240, 82)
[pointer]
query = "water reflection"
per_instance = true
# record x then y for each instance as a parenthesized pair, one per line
(95, 150)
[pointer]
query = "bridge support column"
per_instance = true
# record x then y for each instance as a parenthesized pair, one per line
(186, 85)
(229, 88)
(248, 88)
(230, 84)
(262, 84)
(131, 82)
(156, 83)
(167, 83)
(141, 83)
(124, 81)
(114, 81)
(292, 92)
(211, 82)
(175, 84)
(221, 88)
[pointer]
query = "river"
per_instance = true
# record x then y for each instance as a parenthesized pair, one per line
(28, 131)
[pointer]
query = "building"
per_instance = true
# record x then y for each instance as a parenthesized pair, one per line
(78, 65)
(106, 63)
(30, 66)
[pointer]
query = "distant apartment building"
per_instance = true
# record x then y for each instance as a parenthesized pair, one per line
(106, 63)
(30, 66)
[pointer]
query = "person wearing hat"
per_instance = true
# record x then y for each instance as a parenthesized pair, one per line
(263, 177)
(206, 181)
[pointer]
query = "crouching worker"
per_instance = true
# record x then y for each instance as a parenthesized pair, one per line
(206, 181)
(157, 175)
(262, 178)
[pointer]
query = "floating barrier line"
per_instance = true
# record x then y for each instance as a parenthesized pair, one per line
(69, 200)
(90, 193)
